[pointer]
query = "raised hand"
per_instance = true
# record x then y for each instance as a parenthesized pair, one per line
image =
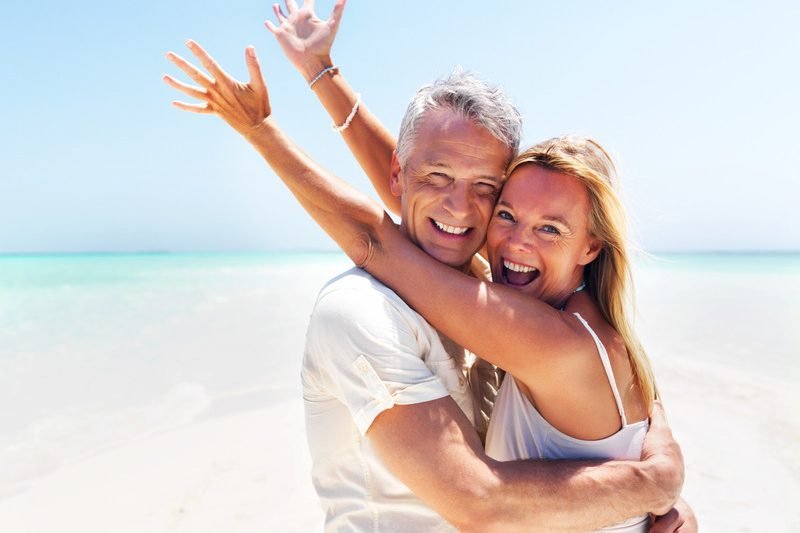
(304, 37)
(244, 106)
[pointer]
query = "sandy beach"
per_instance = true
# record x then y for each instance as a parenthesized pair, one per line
(239, 462)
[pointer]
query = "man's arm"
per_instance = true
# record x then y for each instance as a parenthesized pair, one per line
(306, 40)
(433, 449)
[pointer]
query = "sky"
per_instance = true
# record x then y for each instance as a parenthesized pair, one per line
(697, 101)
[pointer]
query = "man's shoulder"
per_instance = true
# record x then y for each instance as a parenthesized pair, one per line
(356, 286)
(355, 303)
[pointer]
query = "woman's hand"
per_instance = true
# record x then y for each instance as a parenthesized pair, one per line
(244, 106)
(304, 37)
(680, 519)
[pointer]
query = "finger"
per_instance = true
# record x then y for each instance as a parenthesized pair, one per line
(666, 523)
(189, 90)
(193, 72)
(309, 4)
(336, 15)
(291, 6)
(271, 27)
(202, 109)
(254, 69)
(208, 62)
(276, 8)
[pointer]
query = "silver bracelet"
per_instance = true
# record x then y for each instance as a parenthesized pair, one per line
(349, 118)
(332, 68)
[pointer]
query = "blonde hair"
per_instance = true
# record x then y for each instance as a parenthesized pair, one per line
(608, 278)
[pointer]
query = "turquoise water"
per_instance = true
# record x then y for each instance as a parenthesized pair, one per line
(743, 263)
(45, 270)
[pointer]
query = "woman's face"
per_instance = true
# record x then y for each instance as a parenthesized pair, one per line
(538, 239)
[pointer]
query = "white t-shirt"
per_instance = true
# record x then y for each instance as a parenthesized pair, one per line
(367, 351)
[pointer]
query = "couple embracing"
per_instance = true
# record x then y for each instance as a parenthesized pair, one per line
(443, 391)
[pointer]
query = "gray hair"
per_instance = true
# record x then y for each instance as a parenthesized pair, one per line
(470, 97)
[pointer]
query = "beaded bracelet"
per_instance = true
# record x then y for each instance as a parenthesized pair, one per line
(350, 117)
(332, 69)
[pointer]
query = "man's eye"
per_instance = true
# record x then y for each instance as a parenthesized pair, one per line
(439, 178)
(486, 188)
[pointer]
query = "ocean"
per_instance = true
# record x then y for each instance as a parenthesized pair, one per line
(101, 350)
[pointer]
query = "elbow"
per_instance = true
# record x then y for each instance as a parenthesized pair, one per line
(477, 506)
(482, 519)
(473, 514)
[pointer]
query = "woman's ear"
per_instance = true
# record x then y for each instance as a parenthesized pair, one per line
(591, 253)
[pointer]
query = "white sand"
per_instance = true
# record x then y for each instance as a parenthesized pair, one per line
(237, 473)
(244, 466)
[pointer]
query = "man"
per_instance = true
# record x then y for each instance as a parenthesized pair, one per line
(399, 448)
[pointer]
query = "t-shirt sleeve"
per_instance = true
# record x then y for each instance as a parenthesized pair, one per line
(366, 351)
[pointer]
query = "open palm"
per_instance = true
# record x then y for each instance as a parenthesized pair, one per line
(302, 35)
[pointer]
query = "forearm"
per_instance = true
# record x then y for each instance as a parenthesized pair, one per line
(433, 449)
(367, 138)
(502, 325)
(572, 495)
(347, 215)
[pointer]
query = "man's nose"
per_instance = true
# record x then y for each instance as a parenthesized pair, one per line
(459, 201)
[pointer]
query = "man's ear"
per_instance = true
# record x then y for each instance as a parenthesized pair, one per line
(395, 182)
(591, 253)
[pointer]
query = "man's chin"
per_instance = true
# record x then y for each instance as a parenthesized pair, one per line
(457, 259)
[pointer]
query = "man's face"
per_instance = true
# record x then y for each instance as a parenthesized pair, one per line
(448, 186)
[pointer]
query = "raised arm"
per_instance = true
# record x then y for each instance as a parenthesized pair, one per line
(345, 214)
(306, 40)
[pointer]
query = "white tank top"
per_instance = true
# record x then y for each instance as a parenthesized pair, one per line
(518, 431)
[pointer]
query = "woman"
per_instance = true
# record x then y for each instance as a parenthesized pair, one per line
(558, 236)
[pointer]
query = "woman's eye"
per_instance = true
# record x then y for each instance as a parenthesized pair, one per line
(552, 230)
(505, 215)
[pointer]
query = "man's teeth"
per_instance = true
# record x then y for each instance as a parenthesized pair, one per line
(516, 267)
(450, 229)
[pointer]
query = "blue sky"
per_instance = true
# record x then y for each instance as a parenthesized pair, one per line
(697, 101)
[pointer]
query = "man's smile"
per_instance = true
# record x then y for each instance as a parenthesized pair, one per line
(450, 230)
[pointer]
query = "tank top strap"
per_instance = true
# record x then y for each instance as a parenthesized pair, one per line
(607, 366)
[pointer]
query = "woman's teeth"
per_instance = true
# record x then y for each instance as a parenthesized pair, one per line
(516, 267)
(518, 275)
